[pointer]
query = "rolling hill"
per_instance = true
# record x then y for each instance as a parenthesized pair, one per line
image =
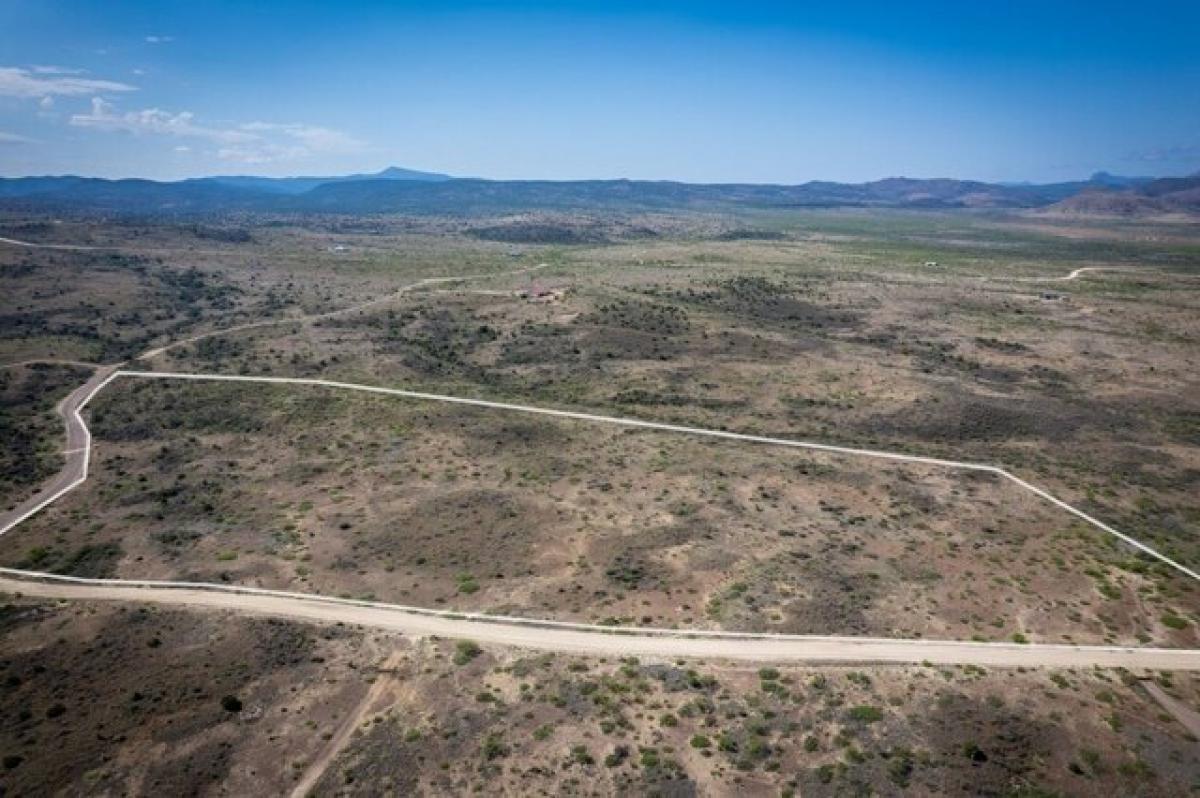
(397, 190)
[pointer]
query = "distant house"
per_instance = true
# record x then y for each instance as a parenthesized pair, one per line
(339, 248)
(931, 264)
(537, 292)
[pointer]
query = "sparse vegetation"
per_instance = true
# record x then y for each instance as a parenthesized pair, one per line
(801, 324)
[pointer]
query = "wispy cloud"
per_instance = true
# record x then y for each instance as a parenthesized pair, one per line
(13, 138)
(45, 82)
(249, 143)
(40, 69)
(160, 39)
(103, 116)
(262, 152)
(1178, 154)
(311, 137)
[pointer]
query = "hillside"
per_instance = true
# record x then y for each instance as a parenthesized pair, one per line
(1168, 195)
(397, 190)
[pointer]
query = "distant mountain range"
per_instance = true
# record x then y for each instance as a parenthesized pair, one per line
(299, 185)
(397, 190)
(1164, 196)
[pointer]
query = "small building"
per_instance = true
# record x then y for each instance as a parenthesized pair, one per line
(536, 292)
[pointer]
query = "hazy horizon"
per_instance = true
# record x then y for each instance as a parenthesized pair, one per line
(369, 172)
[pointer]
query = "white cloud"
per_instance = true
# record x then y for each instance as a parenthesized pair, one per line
(46, 103)
(160, 39)
(262, 152)
(154, 120)
(54, 70)
(250, 143)
(312, 137)
(13, 138)
(26, 83)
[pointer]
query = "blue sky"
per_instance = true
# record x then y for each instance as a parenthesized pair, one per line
(697, 91)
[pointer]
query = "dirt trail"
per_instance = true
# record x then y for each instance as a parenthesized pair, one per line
(553, 636)
(1187, 717)
(590, 640)
(381, 695)
(332, 314)
(76, 452)
(677, 428)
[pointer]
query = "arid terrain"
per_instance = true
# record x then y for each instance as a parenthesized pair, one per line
(115, 699)
(1064, 350)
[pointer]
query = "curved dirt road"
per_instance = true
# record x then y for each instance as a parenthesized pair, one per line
(76, 453)
(676, 428)
(592, 640)
(553, 636)
(332, 314)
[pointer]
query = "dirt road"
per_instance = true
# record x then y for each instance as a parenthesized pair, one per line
(553, 636)
(1187, 717)
(676, 428)
(383, 694)
(332, 314)
(32, 245)
(76, 452)
(569, 638)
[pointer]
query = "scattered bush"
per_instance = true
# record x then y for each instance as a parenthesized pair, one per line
(866, 714)
(494, 747)
(465, 651)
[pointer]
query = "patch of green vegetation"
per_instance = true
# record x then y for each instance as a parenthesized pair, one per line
(865, 713)
(1173, 621)
(92, 561)
(465, 651)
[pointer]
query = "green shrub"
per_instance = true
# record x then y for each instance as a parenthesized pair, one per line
(465, 651)
(618, 755)
(866, 714)
(494, 747)
(1174, 621)
(900, 769)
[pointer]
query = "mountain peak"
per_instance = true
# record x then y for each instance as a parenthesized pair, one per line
(400, 173)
